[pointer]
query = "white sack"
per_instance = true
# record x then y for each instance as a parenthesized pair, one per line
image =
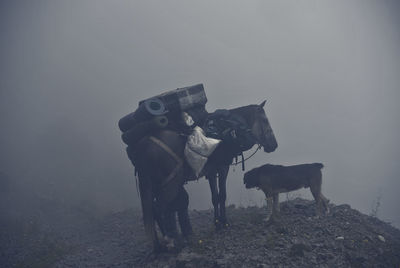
(198, 148)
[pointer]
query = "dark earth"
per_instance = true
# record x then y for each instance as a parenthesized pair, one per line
(344, 238)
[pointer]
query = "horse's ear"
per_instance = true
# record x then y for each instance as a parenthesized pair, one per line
(263, 103)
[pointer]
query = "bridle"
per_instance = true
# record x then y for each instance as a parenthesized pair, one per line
(255, 151)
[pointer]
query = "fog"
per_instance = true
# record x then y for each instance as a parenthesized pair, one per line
(329, 71)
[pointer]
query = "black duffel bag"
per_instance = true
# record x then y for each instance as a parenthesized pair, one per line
(141, 129)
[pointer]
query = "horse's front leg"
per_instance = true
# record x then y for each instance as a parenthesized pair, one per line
(212, 180)
(222, 177)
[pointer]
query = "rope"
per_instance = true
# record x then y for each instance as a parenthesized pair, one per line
(179, 161)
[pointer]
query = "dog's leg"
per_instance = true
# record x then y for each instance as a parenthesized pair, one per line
(269, 207)
(316, 192)
(276, 208)
(276, 203)
(325, 202)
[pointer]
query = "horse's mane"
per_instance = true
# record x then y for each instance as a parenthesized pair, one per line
(245, 111)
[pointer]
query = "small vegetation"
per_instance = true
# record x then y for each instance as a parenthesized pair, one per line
(376, 205)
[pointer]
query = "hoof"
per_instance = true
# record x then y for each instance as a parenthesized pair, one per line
(270, 220)
(168, 244)
(218, 225)
(327, 211)
(188, 240)
(267, 219)
(225, 224)
(158, 250)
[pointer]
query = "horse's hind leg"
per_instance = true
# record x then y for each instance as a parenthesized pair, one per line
(147, 200)
(183, 214)
(222, 176)
(158, 218)
(171, 229)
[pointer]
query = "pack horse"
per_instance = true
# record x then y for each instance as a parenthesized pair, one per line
(157, 134)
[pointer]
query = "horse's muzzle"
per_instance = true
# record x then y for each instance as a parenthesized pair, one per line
(270, 146)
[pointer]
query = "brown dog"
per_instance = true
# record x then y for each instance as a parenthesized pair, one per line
(275, 179)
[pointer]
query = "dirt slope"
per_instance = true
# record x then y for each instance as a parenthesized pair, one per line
(344, 238)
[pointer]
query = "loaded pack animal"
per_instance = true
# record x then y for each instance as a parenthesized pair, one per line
(276, 179)
(162, 171)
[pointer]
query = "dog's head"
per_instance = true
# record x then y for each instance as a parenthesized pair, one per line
(251, 179)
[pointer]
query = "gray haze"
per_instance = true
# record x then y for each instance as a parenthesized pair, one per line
(330, 71)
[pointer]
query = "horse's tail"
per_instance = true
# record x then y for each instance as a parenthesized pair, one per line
(146, 197)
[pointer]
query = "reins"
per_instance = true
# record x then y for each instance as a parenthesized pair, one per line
(243, 160)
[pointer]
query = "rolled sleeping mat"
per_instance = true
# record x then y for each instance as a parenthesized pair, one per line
(146, 110)
(155, 106)
(133, 135)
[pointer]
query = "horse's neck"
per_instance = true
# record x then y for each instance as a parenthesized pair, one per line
(223, 155)
(243, 113)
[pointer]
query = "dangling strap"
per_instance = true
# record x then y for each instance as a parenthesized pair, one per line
(170, 152)
(136, 179)
(242, 162)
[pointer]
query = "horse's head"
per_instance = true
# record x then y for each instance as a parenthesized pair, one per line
(258, 124)
(261, 128)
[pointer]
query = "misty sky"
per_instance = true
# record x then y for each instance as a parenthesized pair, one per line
(329, 70)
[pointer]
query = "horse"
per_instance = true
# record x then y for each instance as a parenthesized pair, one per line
(217, 166)
(158, 161)
(162, 172)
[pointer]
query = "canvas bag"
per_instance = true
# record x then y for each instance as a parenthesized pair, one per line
(198, 148)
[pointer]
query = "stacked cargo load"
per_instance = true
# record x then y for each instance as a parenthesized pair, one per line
(173, 109)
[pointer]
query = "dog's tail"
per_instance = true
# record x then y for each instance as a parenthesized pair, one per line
(318, 165)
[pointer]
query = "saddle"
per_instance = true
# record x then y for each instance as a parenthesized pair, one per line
(231, 128)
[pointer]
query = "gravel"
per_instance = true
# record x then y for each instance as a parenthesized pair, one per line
(344, 238)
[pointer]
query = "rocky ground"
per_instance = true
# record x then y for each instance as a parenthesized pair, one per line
(344, 238)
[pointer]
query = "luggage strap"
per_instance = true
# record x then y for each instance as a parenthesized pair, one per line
(179, 161)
